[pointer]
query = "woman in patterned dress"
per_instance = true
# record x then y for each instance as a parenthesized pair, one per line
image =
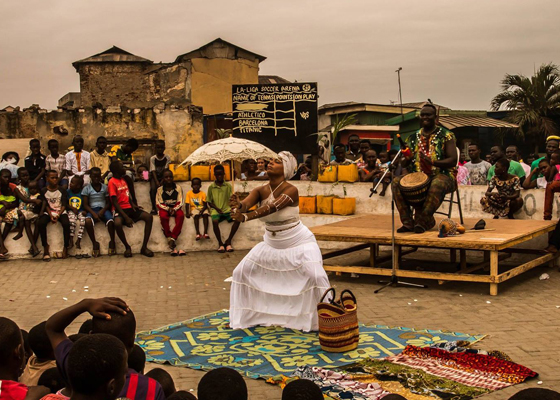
(507, 200)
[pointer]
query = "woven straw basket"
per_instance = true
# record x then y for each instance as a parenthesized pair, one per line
(338, 322)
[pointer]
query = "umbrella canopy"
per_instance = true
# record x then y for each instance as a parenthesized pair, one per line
(229, 149)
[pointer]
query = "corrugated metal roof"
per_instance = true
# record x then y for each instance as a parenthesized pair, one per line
(454, 121)
(384, 128)
(200, 51)
(268, 79)
(420, 104)
(114, 54)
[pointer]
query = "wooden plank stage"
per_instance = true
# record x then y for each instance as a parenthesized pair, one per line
(502, 235)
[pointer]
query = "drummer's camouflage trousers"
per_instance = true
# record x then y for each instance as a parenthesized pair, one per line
(424, 213)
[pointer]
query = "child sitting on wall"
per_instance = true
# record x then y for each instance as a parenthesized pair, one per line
(169, 201)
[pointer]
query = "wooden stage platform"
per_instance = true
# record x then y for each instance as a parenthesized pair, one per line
(371, 231)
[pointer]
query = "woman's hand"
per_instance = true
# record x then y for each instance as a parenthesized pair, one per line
(238, 216)
(234, 202)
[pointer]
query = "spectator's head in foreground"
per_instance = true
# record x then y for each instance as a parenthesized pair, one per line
(536, 394)
(222, 384)
(164, 379)
(121, 326)
(137, 359)
(502, 166)
(97, 367)
(182, 395)
(12, 352)
(40, 343)
(302, 389)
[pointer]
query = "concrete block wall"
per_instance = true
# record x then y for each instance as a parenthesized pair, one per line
(251, 233)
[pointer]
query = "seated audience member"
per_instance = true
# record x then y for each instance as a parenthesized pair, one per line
(55, 201)
(251, 174)
(219, 194)
(222, 384)
(111, 316)
(165, 380)
(365, 146)
(78, 161)
(10, 162)
(196, 207)
(353, 153)
(304, 171)
(42, 358)
(159, 162)
(76, 211)
(507, 200)
(35, 163)
(12, 358)
(302, 389)
(371, 169)
(182, 395)
(126, 212)
(169, 202)
(515, 168)
(531, 158)
(98, 209)
(477, 167)
(553, 184)
(96, 367)
(28, 215)
(56, 162)
(535, 394)
(340, 156)
(52, 379)
(137, 360)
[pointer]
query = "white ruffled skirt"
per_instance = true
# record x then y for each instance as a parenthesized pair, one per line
(279, 282)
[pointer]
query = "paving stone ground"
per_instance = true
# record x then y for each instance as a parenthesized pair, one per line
(523, 321)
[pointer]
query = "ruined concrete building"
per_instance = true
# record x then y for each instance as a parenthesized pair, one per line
(123, 95)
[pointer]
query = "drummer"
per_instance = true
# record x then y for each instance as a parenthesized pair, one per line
(432, 150)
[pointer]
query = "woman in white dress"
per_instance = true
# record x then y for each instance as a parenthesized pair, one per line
(282, 278)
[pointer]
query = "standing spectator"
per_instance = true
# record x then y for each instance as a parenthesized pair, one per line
(56, 162)
(463, 175)
(507, 200)
(515, 168)
(252, 174)
(99, 158)
(488, 158)
(353, 148)
(462, 158)
(531, 158)
(169, 201)
(78, 160)
(35, 163)
(158, 163)
(123, 153)
(512, 153)
(478, 168)
(340, 156)
(552, 145)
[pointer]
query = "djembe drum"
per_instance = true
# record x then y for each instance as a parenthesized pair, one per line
(414, 187)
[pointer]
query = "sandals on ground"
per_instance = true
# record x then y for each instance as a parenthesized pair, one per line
(96, 253)
(174, 253)
(206, 236)
(221, 249)
(182, 253)
(128, 253)
(198, 237)
(147, 252)
(46, 258)
(229, 249)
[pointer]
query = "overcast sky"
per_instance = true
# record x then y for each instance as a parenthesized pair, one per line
(452, 51)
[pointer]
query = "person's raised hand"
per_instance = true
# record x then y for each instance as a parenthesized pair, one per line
(100, 308)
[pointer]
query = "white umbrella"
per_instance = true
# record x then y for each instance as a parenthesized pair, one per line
(229, 149)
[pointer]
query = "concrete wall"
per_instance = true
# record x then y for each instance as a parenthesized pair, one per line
(251, 233)
(180, 127)
(212, 79)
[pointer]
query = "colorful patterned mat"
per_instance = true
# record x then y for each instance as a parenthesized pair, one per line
(206, 343)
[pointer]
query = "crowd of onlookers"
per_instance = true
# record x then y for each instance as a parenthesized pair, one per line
(81, 188)
(102, 362)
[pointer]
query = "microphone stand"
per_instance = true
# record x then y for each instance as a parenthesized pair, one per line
(394, 281)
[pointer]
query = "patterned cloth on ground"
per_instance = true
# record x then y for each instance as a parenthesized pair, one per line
(207, 343)
(467, 368)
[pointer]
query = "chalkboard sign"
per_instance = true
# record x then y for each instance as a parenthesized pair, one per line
(280, 116)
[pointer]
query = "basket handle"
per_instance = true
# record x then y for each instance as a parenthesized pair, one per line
(350, 293)
(331, 289)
